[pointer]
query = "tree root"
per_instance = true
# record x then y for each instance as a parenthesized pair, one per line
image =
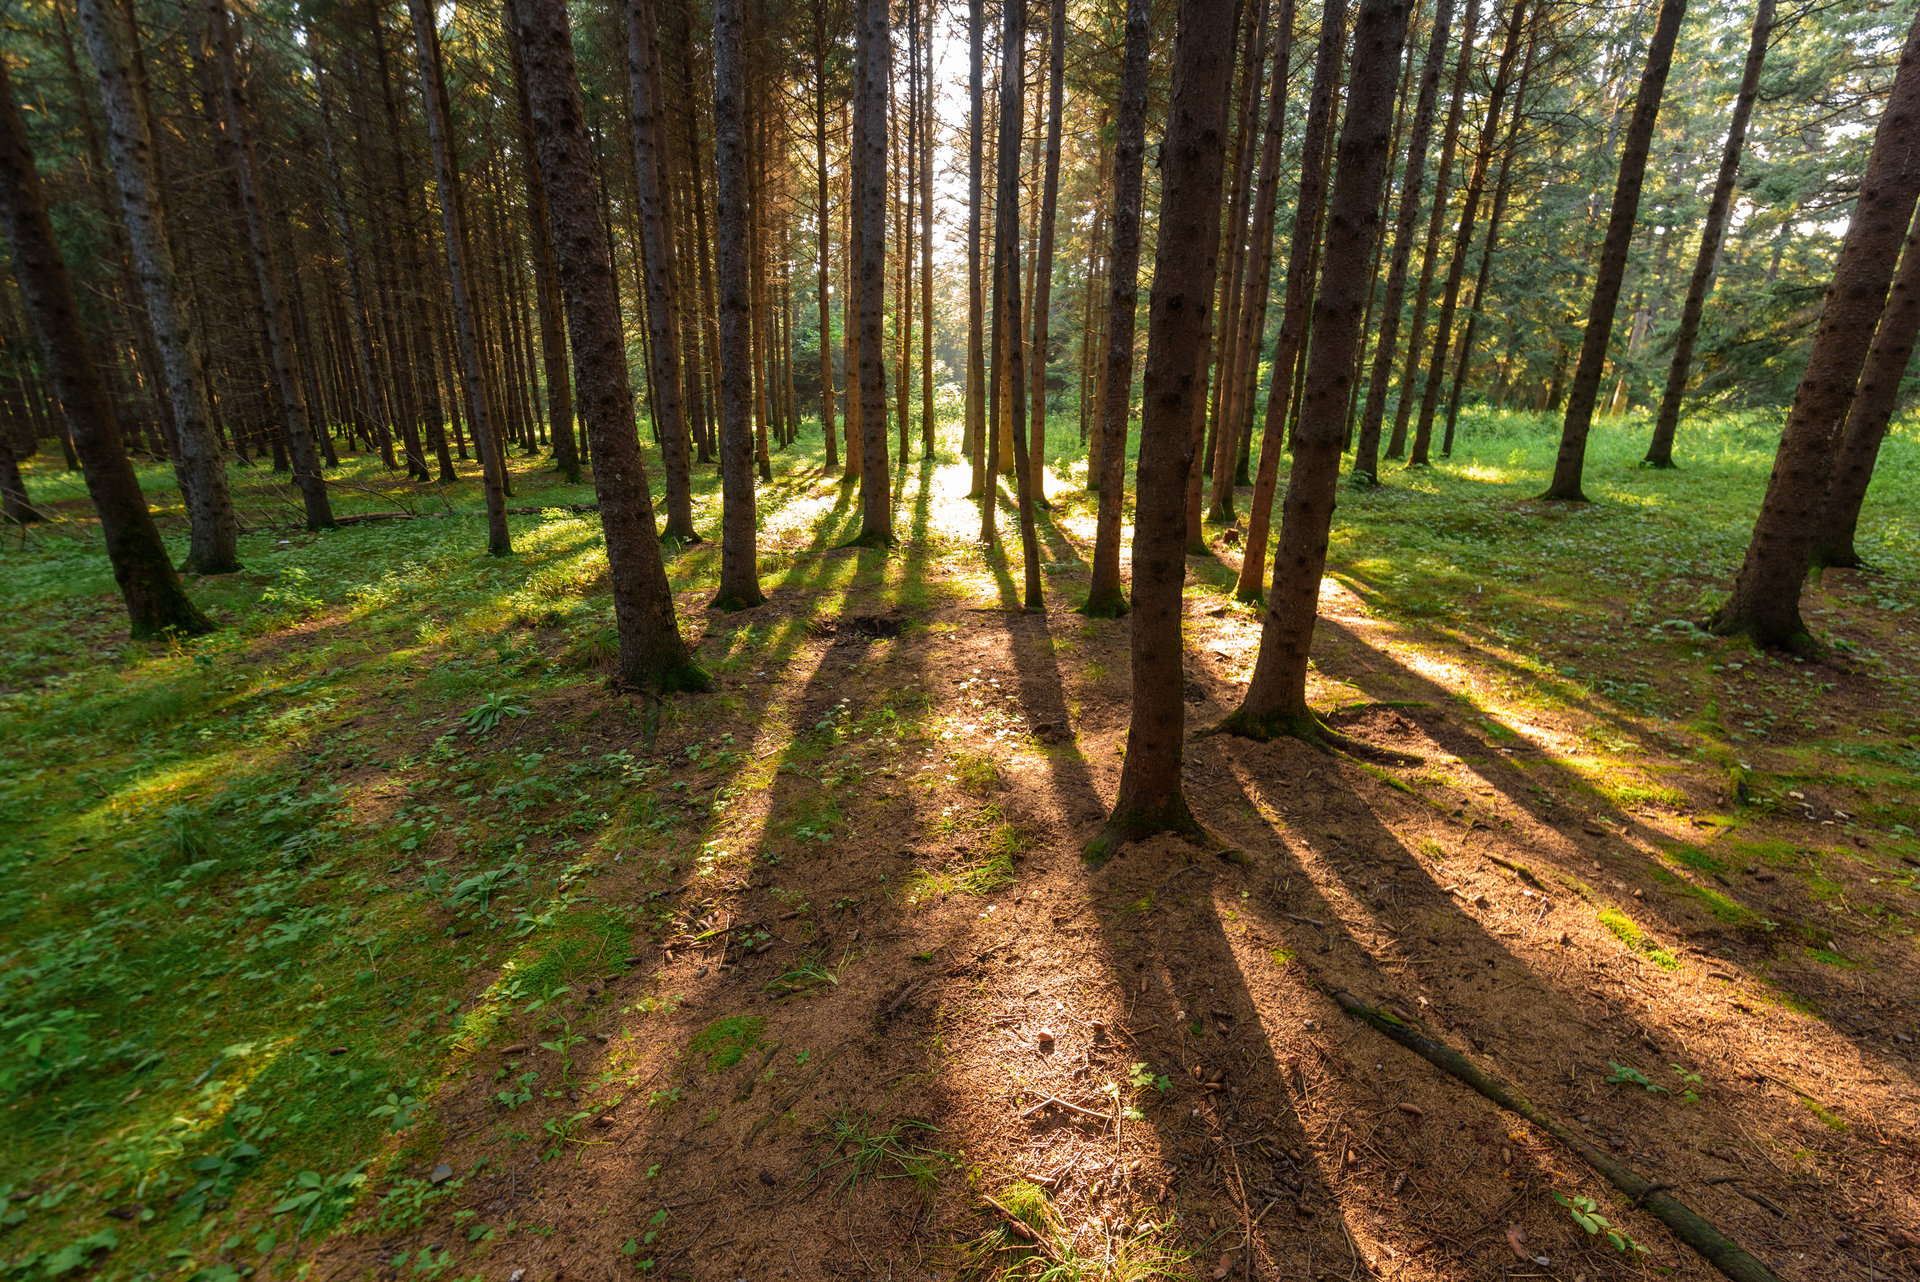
(1137, 825)
(1309, 729)
(1716, 1247)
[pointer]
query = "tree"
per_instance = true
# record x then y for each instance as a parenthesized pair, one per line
(1765, 603)
(1276, 699)
(652, 653)
(874, 53)
(1006, 293)
(1294, 314)
(1712, 235)
(200, 465)
(1585, 391)
(739, 550)
(1043, 267)
(821, 238)
(1104, 596)
(1192, 158)
(976, 306)
(662, 292)
(294, 424)
(157, 604)
(453, 227)
(1366, 454)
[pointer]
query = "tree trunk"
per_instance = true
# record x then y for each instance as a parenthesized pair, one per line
(1104, 596)
(157, 604)
(656, 223)
(1242, 366)
(1712, 236)
(1289, 346)
(976, 306)
(652, 653)
(739, 550)
(1043, 267)
(1006, 290)
(1234, 256)
(875, 59)
(1463, 235)
(293, 410)
(1871, 412)
(926, 247)
(201, 467)
(1276, 698)
(1570, 464)
(1765, 604)
(822, 241)
(453, 226)
(1366, 456)
(1192, 158)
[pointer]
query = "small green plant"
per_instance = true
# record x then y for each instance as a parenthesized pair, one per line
(808, 975)
(1142, 1077)
(726, 1041)
(400, 1109)
(856, 1144)
(1586, 1213)
(324, 1198)
(1626, 1075)
(490, 712)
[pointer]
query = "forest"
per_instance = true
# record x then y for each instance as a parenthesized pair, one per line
(1042, 640)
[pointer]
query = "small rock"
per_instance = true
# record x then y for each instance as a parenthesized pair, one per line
(1639, 894)
(515, 1048)
(1044, 1037)
(441, 1174)
(766, 1178)
(1481, 901)
(516, 1275)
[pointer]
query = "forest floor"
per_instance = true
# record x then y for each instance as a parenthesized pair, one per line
(375, 936)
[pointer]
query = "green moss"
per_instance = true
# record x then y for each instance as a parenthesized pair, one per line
(1827, 957)
(1722, 907)
(1828, 1118)
(1628, 933)
(726, 1041)
(1281, 956)
(1693, 857)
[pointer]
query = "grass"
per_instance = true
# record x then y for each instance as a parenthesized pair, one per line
(853, 1147)
(254, 884)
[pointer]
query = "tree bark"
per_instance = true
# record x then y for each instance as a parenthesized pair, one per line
(1712, 236)
(927, 116)
(1242, 370)
(827, 430)
(1276, 698)
(293, 410)
(1006, 290)
(1463, 235)
(652, 653)
(1043, 266)
(453, 226)
(976, 306)
(1871, 413)
(656, 224)
(1366, 455)
(739, 550)
(1104, 596)
(1765, 604)
(1581, 397)
(1192, 158)
(201, 467)
(1288, 347)
(875, 55)
(157, 604)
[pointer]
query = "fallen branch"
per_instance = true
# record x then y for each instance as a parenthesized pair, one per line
(1063, 1104)
(1716, 1247)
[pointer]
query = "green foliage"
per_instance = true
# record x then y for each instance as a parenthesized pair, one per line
(726, 1041)
(1586, 1213)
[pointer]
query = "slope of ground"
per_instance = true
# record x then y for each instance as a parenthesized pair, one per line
(374, 936)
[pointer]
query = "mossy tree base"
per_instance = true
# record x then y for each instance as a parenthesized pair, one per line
(871, 539)
(1105, 606)
(735, 603)
(1575, 495)
(1789, 635)
(1307, 726)
(1137, 824)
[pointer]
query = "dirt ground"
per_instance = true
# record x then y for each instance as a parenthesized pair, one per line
(959, 1011)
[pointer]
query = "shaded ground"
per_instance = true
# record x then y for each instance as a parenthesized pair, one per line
(374, 937)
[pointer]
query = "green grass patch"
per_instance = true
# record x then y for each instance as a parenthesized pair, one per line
(726, 1041)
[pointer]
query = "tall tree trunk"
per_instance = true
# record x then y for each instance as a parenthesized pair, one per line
(1463, 234)
(157, 604)
(1104, 595)
(652, 653)
(1712, 236)
(1585, 391)
(1192, 158)
(821, 233)
(739, 550)
(1436, 219)
(1502, 194)
(553, 335)
(1366, 455)
(1006, 288)
(875, 56)
(926, 246)
(201, 467)
(656, 223)
(1290, 345)
(1238, 245)
(1765, 603)
(1251, 319)
(293, 410)
(1043, 267)
(1871, 412)
(976, 444)
(1276, 698)
(453, 227)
